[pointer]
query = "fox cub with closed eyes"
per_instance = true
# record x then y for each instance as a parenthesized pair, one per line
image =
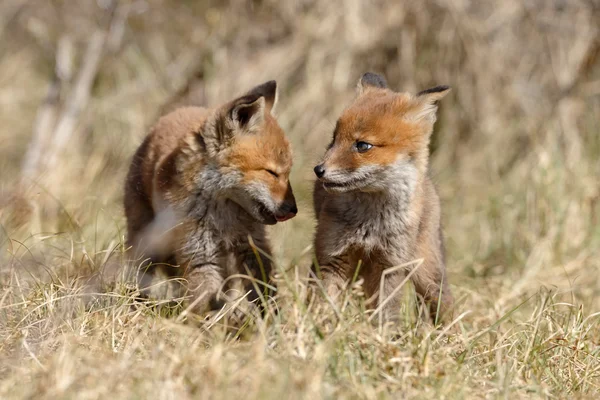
(201, 184)
(375, 202)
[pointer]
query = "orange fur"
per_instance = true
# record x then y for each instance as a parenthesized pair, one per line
(374, 200)
(202, 182)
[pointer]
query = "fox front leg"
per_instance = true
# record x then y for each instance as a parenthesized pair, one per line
(333, 275)
(431, 284)
(251, 259)
(203, 271)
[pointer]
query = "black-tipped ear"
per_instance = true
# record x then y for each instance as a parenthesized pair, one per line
(426, 102)
(268, 90)
(372, 80)
(434, 94)
(248, 111)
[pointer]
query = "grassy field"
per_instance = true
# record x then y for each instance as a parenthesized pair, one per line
(516, 157)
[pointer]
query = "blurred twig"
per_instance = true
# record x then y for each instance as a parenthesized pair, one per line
(11, 15)
(53, 132)
(79, 98)
(47, 113)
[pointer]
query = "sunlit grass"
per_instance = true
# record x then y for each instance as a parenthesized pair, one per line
(516, 161)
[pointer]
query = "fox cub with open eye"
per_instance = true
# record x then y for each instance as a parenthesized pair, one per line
(375, 202)
(201, 184)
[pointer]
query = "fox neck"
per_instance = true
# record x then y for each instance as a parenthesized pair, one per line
(398, 196)
(401, 196)
(384, 221)
(208, 193)
(212, 204)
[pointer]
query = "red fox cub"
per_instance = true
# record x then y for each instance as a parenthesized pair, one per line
(203, 182)
(375, 202)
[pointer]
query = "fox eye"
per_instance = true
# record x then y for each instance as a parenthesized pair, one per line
(270, 171)
(362, 147)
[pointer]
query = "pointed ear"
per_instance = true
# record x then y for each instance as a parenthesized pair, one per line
(268, 90)
(434, 94)
(370, 80)
(247, 112)
(427, 102)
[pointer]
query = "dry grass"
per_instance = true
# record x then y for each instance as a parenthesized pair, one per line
(516, 158)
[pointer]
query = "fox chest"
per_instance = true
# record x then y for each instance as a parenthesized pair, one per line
(380, 233)
(216, 226)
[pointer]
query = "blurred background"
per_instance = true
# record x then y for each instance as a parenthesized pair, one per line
(516, 147)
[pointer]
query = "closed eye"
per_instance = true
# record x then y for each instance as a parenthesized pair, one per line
(275, 174)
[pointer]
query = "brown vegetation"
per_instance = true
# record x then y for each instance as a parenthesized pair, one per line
(515, 157)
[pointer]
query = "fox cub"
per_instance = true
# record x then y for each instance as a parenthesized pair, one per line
(201, 184)
(375, 202)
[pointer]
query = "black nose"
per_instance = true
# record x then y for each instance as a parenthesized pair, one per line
(288, 208)
(319, 171)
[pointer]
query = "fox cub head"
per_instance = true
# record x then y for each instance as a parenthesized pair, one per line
(382, 138)
(250, 155)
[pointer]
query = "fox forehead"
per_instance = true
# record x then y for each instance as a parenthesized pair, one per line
(380, 119)
(268, 148)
